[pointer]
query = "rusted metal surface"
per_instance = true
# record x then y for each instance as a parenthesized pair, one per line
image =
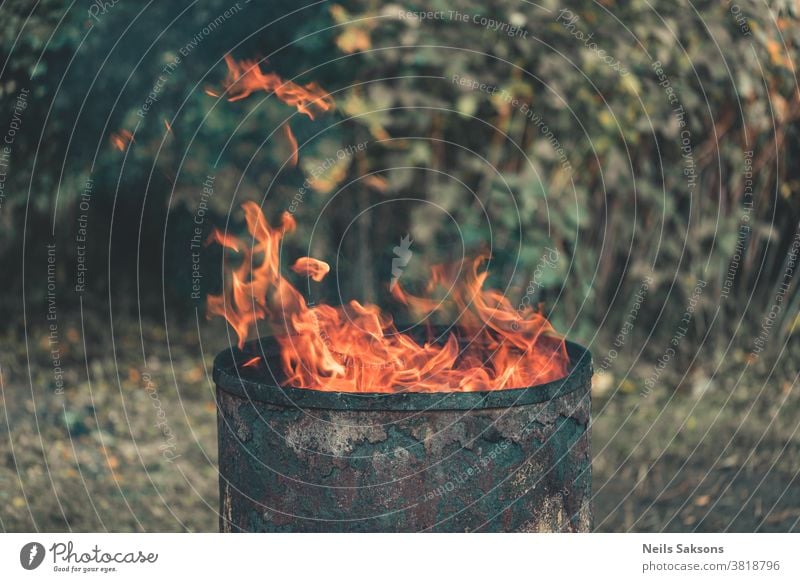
(300, 460)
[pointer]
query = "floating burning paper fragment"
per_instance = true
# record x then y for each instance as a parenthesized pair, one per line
(357, 347)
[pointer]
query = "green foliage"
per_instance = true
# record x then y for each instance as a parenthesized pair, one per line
(589, 161)
(633, 201)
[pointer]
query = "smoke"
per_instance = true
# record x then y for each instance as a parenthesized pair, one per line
(403, 256)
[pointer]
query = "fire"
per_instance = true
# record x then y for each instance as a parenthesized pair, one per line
(245, 77)
(358, 348)
(312, 268)
(252, 362)
(292, 142)
(121, 139)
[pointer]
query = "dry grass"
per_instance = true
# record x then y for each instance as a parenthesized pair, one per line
(703, 460)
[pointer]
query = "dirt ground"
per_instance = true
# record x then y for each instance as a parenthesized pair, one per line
(134, 448)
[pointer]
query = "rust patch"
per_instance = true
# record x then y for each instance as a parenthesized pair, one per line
(337, 438)
(227, 512)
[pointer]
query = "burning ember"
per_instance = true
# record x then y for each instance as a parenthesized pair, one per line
(357, 347)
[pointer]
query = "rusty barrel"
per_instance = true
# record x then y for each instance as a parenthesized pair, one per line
(299, 460)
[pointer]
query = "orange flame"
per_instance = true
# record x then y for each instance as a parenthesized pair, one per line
(311, 268)
(252, 362)
(245, 77)
(292, 142)
(121, 139)
(357, 347)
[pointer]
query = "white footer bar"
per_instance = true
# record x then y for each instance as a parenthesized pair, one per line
(407, 558)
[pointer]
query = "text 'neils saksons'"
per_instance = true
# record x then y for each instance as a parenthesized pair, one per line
(681, 549)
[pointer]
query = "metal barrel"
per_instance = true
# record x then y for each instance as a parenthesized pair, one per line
(300, 460)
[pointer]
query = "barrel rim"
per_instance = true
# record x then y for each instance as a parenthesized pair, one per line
(229, 378)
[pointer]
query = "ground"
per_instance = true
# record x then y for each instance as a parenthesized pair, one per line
(135, 449)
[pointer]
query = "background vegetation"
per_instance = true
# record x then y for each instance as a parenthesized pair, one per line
(605, 174)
